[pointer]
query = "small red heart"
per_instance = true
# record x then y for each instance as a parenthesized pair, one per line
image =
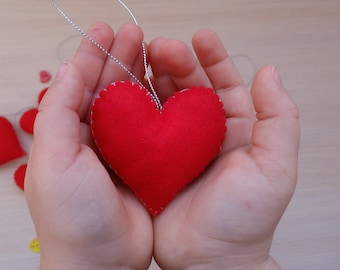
(19, 176)
(157, 153)
(45, 76)
(27, 120)
(10, 148)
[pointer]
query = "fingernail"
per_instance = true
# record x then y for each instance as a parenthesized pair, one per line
(61, 71)
(276, 76)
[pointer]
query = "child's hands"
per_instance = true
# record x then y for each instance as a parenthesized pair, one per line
(227, 218)
(83, 221)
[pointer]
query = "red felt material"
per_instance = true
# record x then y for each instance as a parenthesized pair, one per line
(157, 153)
(42, 94)
(10, 148)
(44, 76)
(19, 176)
(27, 120)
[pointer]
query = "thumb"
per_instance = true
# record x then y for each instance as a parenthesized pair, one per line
(57, 126)
(276, 134)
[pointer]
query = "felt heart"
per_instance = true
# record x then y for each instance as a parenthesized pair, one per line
(10, 148)
(156, 152)
(44, 76)
(19, 176)
(42, 94)
(27, 120)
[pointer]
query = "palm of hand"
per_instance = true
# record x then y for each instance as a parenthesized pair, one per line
(232, 210)
(78, 213)
(233, 205)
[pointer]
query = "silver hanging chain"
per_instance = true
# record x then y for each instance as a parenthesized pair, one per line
(114, 59)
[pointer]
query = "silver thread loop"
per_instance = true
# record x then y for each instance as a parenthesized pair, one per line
(114, 59)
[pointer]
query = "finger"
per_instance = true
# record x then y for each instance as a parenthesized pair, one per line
(162, 82)
(89, 55)
(228, 84)
(138, 68)
(223, 74)
(180, 64)
(276, 133)
(58, 142)
(215, 60)
(57, 125)
(126, 48)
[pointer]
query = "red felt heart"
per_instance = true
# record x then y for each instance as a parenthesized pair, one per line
(27, 120)
(42, 94)
(19, 176)
(44, 76)
(9, 145)
(157, 152)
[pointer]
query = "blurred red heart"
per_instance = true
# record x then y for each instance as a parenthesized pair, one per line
(45, 76)
(155, 152)
(27, 120)
(42, 94)
(19, 176)
(10, 148)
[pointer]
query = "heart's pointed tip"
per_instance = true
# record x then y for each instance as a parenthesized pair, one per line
(154, 213)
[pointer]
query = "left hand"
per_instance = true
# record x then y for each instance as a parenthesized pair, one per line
(83, 220)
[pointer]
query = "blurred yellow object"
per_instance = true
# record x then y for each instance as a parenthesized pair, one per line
(35, 246)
